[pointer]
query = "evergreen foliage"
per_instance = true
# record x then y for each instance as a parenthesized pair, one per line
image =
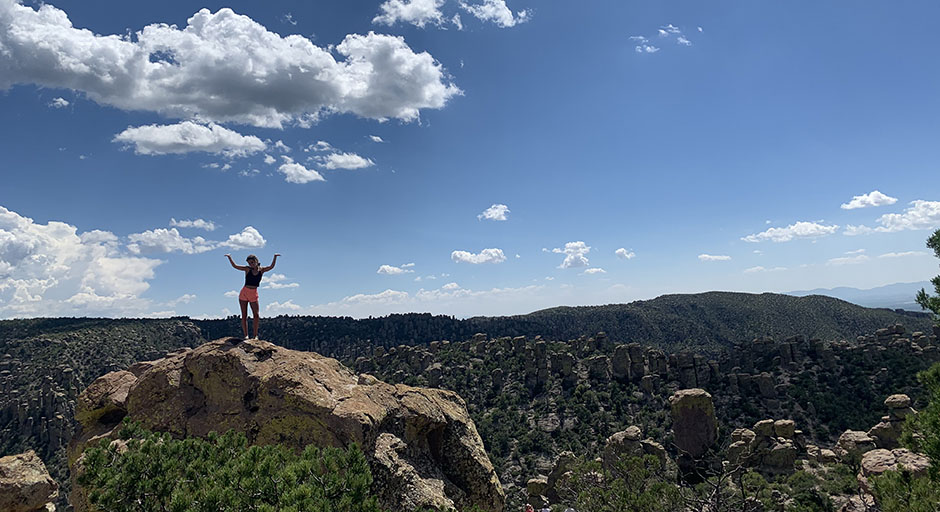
(157, 473)
(898, 491)
(927, 301)
(636, 484)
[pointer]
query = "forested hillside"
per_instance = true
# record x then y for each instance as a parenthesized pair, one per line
(703, 321)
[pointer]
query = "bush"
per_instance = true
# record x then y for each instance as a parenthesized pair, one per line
(635, 484)
(899, 491)
(222, 473)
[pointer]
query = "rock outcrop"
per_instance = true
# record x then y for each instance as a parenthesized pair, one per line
(888, 431)
(422, 446)
(693, 421)
(771, 446)
(876, 462)
(25, 485)
(852, 444)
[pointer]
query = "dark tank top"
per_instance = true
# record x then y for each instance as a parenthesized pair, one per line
(252, 279)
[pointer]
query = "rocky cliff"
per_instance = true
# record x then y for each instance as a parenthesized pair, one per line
(422, 446)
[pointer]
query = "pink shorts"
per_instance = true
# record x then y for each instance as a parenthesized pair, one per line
(248, 294)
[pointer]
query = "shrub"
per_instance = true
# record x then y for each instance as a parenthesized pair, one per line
(222, 473)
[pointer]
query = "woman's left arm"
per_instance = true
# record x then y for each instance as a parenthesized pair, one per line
(271, 266)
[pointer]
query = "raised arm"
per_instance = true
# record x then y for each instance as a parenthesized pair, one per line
(271, 266)
(239, 267)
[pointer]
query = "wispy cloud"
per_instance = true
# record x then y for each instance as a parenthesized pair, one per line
(848, 260)
(759, 269)
(207, 225)
(902, 254)
(713, 257)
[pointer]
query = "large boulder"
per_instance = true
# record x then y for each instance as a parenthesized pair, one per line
(422, 446)
(852, 444)
(622, 444)
(694, 425)
(25, 485)
(876, 462)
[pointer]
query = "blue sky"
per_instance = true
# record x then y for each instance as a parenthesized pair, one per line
(469, 158)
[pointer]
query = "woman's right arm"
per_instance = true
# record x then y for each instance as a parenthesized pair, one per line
(239, 267)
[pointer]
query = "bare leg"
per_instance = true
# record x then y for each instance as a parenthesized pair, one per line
(254, 311)
(244, 305)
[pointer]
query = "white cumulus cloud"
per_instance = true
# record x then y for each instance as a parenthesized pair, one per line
(376, 138)
(344, 161)
(59, 103)
(188, 137)
(220, 67)
(496, 11)
(873, 198)
(624, 254)
(297, 173)
(391, 270)
(793, 231)
(920, 215)
(495, 212)
(162, 240)
(278, 281)
(594, 270)
(713, 257)
(52, 270)
(249, 238)
(416, 12)
(484, 256)
(575, 254)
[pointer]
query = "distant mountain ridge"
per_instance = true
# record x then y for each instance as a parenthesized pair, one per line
(705, 321)
(891, 296)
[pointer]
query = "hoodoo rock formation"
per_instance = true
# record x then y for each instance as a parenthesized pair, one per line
(693, 421)
(422, 446)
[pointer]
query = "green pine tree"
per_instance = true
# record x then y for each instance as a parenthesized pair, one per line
(927, 301)
(223, 474)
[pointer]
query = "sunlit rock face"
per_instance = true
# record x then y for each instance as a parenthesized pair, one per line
(423, 448)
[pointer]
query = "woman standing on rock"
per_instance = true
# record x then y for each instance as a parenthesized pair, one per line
(249, 293)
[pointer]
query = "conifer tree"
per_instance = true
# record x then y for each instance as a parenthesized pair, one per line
(927, 301)
(157, 473)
